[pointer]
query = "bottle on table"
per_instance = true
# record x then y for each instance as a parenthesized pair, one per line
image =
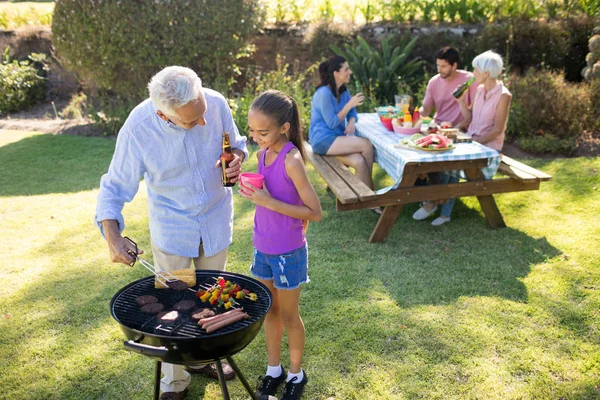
(407, 120)
(226, 158)
(463, 88)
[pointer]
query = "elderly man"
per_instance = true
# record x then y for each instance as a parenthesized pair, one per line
(173, 140)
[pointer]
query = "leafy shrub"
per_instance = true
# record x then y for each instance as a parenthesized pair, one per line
(428, 44)
(555, 44)
(322, 34)
(296, 84)
(531, 43)
(380, 70)
(21, 86)
(547, 113)
(118, 47)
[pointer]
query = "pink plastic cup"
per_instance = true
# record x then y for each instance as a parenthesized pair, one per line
(252, 178)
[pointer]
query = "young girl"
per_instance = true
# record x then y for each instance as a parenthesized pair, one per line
(284, 206)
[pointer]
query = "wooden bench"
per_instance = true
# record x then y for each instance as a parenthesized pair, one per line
(352, 194)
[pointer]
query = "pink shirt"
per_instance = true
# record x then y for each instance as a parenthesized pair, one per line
(439, 95)
(484, 114)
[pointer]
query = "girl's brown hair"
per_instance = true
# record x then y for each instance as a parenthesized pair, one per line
(282, 108)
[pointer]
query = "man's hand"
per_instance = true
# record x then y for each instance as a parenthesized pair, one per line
(119, 248)
(235, 166)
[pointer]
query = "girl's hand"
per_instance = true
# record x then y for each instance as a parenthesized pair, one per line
(258, 196)
(356, 100)
(351, 127)
(304, 226)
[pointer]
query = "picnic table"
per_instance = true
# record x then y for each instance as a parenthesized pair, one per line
(474, 162)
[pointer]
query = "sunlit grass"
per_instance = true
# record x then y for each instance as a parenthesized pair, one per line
(14, 15)
(457, 312)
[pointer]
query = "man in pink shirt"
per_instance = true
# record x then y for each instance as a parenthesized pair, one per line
(440, 88)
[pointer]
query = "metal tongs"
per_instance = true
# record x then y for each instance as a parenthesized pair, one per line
(164, 277)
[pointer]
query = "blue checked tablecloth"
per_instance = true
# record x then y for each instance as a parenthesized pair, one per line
(393, 160)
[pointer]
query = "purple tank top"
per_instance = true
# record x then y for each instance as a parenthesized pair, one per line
(275, 233)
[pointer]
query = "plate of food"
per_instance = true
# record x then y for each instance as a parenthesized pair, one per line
(432, 142)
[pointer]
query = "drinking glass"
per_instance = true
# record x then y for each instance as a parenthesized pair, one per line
(403, 101)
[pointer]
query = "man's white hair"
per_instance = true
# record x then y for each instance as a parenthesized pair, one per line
(174, 87)
(489, 62)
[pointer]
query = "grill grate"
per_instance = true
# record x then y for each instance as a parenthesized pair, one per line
(128, 313)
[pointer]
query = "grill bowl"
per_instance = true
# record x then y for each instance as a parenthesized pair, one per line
(184, 342)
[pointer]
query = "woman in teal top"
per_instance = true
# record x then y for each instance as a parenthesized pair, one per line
(333, 119)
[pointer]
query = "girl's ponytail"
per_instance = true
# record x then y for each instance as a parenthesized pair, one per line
(296, 134)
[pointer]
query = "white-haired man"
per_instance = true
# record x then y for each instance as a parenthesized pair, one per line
(173, 141)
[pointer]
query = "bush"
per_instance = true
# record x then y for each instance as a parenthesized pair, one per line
(324, 33)
(555, 44)
(382, 69)
(118, 47)
(547, 114)
(297, 84)
(21, 86)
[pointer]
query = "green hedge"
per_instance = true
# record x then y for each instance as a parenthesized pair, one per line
(548, 114)
(294, 83)
(118, 46)
(21, 86)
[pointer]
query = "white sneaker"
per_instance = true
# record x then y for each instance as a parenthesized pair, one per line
(440, 220)
(422, 213)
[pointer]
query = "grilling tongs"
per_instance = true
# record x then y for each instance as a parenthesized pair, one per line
(164, 277)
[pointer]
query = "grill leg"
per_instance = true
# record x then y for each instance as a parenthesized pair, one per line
(242, 378)
(222, 380)
(157, 380)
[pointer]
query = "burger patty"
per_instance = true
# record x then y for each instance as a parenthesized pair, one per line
(152, 308)
(147, 299)
(203, 313)
(177, 285)
(184, 305)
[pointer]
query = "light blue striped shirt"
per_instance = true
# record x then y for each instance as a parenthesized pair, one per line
(186, 200)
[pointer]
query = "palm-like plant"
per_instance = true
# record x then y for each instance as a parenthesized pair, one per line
(379, 70)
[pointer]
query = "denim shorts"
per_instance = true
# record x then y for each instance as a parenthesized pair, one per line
(322, 146)
(287, 271)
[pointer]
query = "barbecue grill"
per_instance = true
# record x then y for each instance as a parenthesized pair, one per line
(183, 341)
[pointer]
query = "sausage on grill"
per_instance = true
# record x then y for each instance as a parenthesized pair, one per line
(226, 322)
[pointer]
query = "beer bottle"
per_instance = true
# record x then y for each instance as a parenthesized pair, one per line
(463, 88)
(226, 158)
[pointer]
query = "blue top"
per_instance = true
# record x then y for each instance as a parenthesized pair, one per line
(186, 200)
(324, 121)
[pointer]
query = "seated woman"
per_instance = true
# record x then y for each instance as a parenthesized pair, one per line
(333, 119)
(488, 117)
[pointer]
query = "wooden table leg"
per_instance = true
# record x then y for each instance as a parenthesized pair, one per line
(385, 224)
(487, 203)
(390, 213)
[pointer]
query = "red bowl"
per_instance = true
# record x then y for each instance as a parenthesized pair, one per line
(387, 122)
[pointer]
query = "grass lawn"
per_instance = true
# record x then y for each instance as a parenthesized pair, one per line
(455, 312)
(15, 15)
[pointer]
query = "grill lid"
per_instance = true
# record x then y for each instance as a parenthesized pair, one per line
(126, 311)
